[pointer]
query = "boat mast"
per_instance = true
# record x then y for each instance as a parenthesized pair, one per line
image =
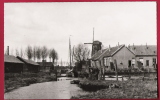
(93, 34)
(93, 42)
(70, 52)
(72, 56)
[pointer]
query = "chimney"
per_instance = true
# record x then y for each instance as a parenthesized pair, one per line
(102, 47)
(129, 46)
(109, 48)
(7, 50)
(134, 47)
(146, 46)
(118, 44)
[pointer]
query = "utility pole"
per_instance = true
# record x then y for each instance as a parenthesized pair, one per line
(72, 55)
(116, 70)
(70, 51)
(61, 63)
(7, 50)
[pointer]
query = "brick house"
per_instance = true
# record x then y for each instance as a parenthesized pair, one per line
(146, 54)
(105, 58)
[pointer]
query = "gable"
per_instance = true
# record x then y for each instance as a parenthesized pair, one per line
(124, 52)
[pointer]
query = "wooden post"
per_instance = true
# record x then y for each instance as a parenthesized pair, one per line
(143, 75)
(56, 74)
(115, 64)
(129, 72)
(103, 73)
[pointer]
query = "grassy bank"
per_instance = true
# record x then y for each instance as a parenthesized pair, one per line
(16, 80)
(135, 88)
(95, 85)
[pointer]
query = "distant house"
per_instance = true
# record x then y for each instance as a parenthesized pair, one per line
(105, 58)
(12, 64)
(62, 69)
(29, 65)
(46, 66)
(145, 54)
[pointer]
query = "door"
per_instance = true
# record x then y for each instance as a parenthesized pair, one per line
(129, 63)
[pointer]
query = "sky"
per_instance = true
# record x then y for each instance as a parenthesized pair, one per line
(51, 24)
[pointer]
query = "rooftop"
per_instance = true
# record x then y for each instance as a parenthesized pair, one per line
(143, 49)
(107, 52)
(11, 59)
(27, 61)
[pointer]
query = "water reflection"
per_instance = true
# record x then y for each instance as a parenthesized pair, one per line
(114, 78)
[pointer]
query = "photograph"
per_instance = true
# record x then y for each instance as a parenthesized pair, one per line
(80, 50)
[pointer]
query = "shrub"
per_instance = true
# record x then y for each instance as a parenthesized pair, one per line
(29, 81)
(50, 78)
(90, 85)
(84, 74)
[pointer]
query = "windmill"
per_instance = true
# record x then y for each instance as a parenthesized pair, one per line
(96, 45)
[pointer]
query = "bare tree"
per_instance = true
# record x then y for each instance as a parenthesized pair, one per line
(44, 52)
(81, 52)
(17, 52)
(53, 54)
(38, 53)
(21, 53)
(34, 52)
(12, 52)
(29, 52)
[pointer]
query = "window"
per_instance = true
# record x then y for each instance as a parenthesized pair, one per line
(105, 61)
(110, 59)
(133, 61)
(141, 60)
(147, 62)
(98, 64)
(154, 60)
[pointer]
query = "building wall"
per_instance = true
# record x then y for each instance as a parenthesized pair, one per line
(122, 57)
(13, 67)
(32, 68)
(150, 58)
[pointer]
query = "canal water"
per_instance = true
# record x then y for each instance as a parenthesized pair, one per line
(61, 89)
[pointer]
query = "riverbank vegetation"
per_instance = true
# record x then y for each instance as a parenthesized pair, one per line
(95, 85)
(133, 88)
(16, 80)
